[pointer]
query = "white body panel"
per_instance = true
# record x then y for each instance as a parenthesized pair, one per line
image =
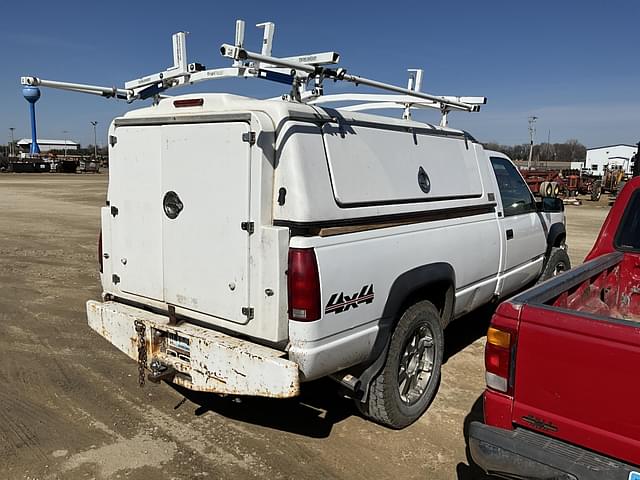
(382, 256)
(205, 252)
(524, 251)
(202, 262)
(524, 240)
(375, 166)
(551, 218)
(302, 168)
(200, 259)
(135, 197)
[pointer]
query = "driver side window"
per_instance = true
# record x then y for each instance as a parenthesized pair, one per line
(516, 196)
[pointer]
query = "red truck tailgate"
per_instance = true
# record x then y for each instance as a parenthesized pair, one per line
(579, 405)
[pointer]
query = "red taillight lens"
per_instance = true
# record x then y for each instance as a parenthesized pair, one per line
(498, 357)
(189, 102)
(100, 251)
(303, 283)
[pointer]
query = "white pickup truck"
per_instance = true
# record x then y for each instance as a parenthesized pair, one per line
(251, 245)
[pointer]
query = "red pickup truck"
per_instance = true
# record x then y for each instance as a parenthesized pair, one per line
(563, 367)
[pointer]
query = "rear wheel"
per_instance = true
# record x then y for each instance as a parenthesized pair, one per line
(557, 263)
(405, 387)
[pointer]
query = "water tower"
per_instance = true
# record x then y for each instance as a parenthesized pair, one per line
(32, 94)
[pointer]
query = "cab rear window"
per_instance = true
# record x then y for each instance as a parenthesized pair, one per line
(628, 234)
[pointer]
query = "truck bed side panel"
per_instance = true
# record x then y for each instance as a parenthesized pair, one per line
(346, 271)
(577, 379)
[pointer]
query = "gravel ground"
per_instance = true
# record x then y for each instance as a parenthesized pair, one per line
(70, 407)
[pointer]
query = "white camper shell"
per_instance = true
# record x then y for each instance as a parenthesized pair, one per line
(249, 245)
(206, 202)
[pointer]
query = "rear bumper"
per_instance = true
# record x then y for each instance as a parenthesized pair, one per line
(204, 359)
(524, 454)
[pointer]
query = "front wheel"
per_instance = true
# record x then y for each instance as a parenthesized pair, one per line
(557, 263)
(405, 387)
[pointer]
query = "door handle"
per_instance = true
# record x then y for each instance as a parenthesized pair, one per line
(509, 234)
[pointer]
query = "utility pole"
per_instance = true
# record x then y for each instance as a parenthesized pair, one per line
(549, 149)
(95, 141)
(12, 141)
(65, 143)
(532, 133)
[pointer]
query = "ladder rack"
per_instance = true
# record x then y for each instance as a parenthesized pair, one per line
(304, 73)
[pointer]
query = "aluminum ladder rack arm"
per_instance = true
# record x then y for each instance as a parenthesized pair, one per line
(109, 92)
(150, 86)
(443, 101)
(372, 101)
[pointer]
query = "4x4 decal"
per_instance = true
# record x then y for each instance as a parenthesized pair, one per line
(339, 302)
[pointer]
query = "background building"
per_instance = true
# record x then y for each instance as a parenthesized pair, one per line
(611, 155)
(48, 145)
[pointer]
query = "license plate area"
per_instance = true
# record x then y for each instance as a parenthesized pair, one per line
(173, 345)
(178, 347)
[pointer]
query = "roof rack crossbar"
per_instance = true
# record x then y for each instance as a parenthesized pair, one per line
(242, 54)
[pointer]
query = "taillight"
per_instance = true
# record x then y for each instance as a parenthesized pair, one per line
(188, 102)
(499, 355)
(303, 284)
(100, 262)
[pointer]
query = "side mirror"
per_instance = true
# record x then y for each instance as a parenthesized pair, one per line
(551, 205)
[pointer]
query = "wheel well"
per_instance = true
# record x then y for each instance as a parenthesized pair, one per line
(556, 236)
(559, 240)
(436, 283)
(439, 293)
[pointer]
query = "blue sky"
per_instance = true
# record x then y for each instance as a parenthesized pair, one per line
(574, 64)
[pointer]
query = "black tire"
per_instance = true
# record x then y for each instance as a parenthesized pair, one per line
(385, 403)
(557, 263)
(596, 191)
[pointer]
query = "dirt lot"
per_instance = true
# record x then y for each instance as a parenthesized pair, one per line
(70, 407)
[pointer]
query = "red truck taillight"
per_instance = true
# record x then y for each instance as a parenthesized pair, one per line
(499, 355)
(303, 284)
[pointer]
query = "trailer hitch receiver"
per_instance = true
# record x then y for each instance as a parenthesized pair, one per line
(160, 371)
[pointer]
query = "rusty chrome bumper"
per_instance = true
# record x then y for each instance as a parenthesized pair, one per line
(205, 360)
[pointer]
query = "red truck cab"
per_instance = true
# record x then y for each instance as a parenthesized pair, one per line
(563, 367)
